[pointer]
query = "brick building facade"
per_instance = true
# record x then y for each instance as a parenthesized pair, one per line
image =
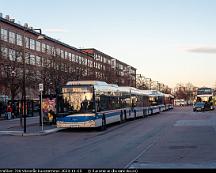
(51, 62)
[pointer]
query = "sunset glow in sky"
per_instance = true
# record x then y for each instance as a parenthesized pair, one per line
(170, 41)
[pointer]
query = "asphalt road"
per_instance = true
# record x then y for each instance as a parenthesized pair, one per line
(179, 138)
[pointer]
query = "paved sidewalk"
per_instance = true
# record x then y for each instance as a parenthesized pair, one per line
(33, 128)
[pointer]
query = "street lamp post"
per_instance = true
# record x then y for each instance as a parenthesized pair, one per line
(24, 88)
(40, 37)
(24, 77)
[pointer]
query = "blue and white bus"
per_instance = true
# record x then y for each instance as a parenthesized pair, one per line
(206, 95)
(96, 104)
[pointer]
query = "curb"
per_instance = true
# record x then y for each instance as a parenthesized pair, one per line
(21, 133)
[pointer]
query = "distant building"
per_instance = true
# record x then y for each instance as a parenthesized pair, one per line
(111, 69)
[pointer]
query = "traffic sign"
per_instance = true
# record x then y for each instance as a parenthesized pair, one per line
(40, 87)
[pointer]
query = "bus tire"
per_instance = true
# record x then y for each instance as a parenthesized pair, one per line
(121, 117)
(125, 115)
(143, 113)
(103, 125)
(135, 114)
(129, 114)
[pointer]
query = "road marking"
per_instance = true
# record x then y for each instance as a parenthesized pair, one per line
(145, 150)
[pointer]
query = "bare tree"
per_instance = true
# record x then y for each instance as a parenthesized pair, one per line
(142, 83)
(185, 91)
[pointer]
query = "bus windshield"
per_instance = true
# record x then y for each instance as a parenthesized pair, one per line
(78, 99)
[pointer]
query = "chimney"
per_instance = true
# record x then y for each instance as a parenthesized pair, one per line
(7, 17)
(12, 20)
(26, 25)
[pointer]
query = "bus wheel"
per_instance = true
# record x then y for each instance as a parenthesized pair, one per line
(143, 113)
(103, 126)
(121, 117)
(134, 114)
(125, 115)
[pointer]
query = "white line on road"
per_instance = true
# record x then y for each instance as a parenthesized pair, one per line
(145, 150)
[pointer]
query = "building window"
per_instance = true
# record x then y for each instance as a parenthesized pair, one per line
(49, 50)
(66, 69)
(85, 61)
(12, 37)
(104, 60)
(26, 42)
(43, 48)
(53, 51)
(32, 44)
(4, 34)
(70, 56)
(32, 59)
(38, 46)
(48, 63)
(12, 55)
(19, 57)
(73, 58)
(4, 52)
(90, 63)
(95, 56)
(62, 67)
(27, 59)
(55, 65)
(80, 60)
(66, 55)
(19, 40)
(58, 52)
(38, 60)
(62, 54)
(43, 61)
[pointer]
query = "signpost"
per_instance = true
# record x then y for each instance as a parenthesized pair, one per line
(41, 92)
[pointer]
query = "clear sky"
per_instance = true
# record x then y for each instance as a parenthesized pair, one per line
(170, 41)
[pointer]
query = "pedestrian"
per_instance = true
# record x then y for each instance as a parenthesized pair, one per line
(9, 111)
(1, 108)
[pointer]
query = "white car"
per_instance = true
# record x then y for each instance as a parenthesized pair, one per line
(180, 102)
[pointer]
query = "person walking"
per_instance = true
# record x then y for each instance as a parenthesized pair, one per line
(9, 112)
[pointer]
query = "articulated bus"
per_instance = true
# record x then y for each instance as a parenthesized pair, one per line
(96, 104)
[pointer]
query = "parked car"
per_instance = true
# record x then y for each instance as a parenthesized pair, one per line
(180, 102)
